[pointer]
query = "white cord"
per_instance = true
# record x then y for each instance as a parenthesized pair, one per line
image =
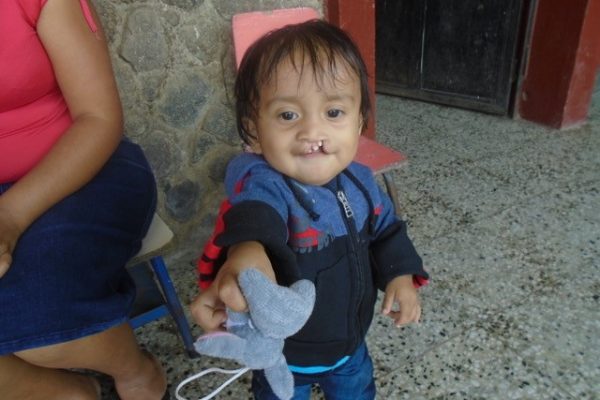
(238, 372)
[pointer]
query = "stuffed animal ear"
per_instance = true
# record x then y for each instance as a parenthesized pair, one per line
(221, 344)
(276, 311)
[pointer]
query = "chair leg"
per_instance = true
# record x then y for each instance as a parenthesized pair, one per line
(175, 308)
(390, 186)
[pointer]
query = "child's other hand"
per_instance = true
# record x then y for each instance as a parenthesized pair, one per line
(402, 292)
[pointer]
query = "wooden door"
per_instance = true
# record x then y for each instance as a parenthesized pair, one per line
(455, 52)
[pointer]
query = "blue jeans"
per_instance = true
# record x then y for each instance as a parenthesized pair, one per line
(351, 381)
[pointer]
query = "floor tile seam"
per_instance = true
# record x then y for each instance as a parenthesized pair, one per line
(505, 152)
(437, 345)
(484, 316)
(527, 136)
(438, 198)
(578, 169)
(528, 191)
(454, 230)
(430, 349)
(530, 199)
(474, 165)
(472, 219)
(538, 197)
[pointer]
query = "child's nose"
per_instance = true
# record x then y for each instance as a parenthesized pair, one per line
(311, 129)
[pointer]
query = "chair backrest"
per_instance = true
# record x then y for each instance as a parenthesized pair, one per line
(248, 27)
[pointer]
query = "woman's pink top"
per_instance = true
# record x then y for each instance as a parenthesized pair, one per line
(33, 112)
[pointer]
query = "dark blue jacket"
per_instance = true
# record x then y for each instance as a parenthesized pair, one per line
(343, 236)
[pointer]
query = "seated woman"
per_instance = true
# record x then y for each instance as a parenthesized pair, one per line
(75, 201)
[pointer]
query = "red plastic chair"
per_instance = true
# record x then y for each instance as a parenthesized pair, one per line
(248, 27)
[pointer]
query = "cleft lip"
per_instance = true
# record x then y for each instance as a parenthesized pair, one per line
(315, 147)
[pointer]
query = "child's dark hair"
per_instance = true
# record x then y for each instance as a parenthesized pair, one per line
(315, 42)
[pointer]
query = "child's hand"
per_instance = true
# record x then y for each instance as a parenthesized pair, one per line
(209, 308)
(402, 292)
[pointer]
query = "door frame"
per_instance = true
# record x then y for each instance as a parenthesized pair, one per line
(358, 19)
(561, 65)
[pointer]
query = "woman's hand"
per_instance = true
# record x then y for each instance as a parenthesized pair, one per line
(9, 234)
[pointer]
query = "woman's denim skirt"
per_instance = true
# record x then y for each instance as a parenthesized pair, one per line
(68, 278)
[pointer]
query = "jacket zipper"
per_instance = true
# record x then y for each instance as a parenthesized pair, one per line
(348, 215)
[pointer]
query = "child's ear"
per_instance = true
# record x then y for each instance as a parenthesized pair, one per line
(251, 129)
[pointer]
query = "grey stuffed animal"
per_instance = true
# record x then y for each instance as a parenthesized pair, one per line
(255, 339)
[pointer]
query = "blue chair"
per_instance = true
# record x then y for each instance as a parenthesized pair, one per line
(149, 272)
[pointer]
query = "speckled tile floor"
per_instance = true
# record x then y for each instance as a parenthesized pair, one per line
(507, 217)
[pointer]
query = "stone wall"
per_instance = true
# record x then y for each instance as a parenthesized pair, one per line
(174, 64)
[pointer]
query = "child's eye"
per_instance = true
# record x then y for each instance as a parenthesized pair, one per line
(334, 113)
(288, 116)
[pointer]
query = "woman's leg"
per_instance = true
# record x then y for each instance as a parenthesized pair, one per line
(20, 380)
(115, 352)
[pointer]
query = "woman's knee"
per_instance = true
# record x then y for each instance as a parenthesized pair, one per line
(20, 380)
(52, 356)
(99, 352)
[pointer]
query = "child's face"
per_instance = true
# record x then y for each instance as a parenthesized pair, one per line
(306, 130)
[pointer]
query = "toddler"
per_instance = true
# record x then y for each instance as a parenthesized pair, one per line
(298, 207)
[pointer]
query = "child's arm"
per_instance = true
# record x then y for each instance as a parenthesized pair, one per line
(208, 308)
(402, 291)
